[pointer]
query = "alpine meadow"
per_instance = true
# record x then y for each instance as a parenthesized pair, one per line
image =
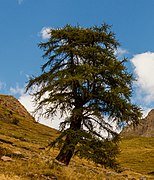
(83, 78)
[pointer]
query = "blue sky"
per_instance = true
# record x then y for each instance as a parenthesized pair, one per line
(21, 23)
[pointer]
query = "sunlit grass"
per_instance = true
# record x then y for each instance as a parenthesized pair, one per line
(37, 162)
(137, 154)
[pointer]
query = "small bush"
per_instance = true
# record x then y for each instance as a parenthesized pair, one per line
(15, 121)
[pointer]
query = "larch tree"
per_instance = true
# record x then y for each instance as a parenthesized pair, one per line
(83, 77)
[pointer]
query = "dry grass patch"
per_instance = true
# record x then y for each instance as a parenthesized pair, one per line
(35, 163)
(137, 154)
(6, 177)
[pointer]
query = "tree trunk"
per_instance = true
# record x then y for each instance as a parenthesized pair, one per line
(71, 140)
(67, 150)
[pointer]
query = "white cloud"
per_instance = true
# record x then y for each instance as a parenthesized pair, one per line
(17, 90)
(27, 101)
(144, 70)
(119, 52)
(45, 33)
(146, 111)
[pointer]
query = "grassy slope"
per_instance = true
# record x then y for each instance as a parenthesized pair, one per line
(137, 154)
(23, 142)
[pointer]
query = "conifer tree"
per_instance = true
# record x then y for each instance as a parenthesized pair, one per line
(83, 77)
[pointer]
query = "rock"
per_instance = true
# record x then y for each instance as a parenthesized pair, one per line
(17, 152)
(144, 129)
(143, 178)
(6, 158)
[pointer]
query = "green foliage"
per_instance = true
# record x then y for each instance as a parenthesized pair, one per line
(83, 77)
(101, 152)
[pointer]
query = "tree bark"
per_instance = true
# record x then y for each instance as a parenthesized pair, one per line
(71, 140)
(67, 150)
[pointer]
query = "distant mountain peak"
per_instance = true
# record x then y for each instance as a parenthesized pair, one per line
(144, 129)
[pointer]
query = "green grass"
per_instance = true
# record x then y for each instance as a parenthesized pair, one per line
(137, 154)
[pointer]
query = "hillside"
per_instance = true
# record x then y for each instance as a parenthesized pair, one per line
(11, 109)
(23, 155)
(144, 129)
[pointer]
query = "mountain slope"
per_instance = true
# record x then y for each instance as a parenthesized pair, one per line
(23, 155)
(16, 122)
(10, 108)
(144, 129)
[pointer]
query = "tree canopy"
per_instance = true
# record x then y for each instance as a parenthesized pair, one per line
(83, 77)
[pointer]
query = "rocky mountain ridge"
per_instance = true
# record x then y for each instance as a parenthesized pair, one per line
(144, 129)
